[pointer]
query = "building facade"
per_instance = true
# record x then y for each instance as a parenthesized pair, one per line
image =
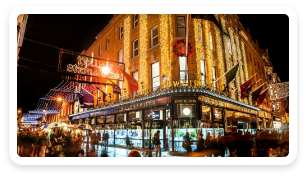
(177, 94)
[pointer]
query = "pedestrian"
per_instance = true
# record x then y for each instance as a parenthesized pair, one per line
(38, 144)
(134, 153)
(93, 139)
(106, 140)
(187, 143)
(200, 143)
(127, 141)
(98, 138)
(156, 142)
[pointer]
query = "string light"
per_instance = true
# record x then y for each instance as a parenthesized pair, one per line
(126, 53)
(208, 51)
(245, 65)
(199, 47)
(143, 47)
(220, 57)
(165, 47)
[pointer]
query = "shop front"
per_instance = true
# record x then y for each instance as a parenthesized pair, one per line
(121, 130)
(264, 120)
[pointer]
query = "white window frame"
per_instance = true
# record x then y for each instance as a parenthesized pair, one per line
(153, 37)
(211, 41)
(120, 86)
(134, 49)
(153, 77)
(135, 20)
(229, 46)
(120, 55)
(185, 71)
(203, 71)
(214, 77)
(121, 32)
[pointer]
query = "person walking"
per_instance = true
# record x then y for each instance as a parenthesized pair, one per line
(106, 140)
(187, 143)
(156, 142)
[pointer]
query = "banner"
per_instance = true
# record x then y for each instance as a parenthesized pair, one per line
(133, 84)
(257, 92)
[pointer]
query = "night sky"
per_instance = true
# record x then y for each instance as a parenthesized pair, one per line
(78, 32)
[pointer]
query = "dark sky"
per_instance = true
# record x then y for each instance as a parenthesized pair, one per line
(78, 32)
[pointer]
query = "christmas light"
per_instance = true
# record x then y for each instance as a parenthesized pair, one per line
(143, 47)
(126, 49)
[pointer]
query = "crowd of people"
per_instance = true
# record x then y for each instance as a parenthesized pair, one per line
(261, 144)
(60, 143)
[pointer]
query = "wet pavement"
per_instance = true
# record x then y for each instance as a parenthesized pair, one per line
(113, 151)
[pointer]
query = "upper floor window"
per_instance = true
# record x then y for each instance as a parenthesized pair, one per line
(211, 42)
(121, 55)
(135, 48)
(214, 77)
(135, 20)
(121, 32)
(92, 54)
(229, 46)
(181, 26)
(155, 76)
(120, 85)
(107, 43)
(203, 71)
(183, 70)
(135, 76)
(154, 36)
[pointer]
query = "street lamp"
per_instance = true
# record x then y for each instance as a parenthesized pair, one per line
(59, 99)
(105, 70)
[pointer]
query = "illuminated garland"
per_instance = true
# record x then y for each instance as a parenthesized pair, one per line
(176, 48)
(143, 47)
(199, 47)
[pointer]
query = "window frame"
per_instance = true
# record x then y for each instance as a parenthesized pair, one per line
(121, 32)
(121, 55)
(134, 48)
(177, 27)
(186, 71)
(135, 20)
(152, 38)
(158, 76)
(100, 49)
(107, 43)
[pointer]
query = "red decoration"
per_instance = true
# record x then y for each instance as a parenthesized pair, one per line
(179, 48)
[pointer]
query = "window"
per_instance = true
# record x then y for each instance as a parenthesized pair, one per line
(93, 54)
(155, 76)
(121, 55)
(154, 36)
(100, 50)
(135, 48)
(214, 75)
(135, 20)
(203, 71)
(107, 43)
(183, 70)
(121, 32)
(181, 27)
(229, 46)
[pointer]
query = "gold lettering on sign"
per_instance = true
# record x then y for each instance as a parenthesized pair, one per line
(176, 83)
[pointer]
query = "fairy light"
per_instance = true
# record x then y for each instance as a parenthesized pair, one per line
(234, 51)
(208, 51)
(245, 69)
(143, 47)
(164, 47)
(220, 57)
(171, 56)
(199, 48)
(126, 42)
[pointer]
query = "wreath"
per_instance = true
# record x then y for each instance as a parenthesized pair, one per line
(179, 48)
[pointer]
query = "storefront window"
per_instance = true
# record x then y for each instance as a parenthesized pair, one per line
(135, 116)
(240, 122)
(156, 125)
(206, 113)
(181, 127)
(186, 110)
(110, 130)
(218, 114)
(135, 134)
(121, 135)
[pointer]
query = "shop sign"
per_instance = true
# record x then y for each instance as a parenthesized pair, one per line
(219, 103)
(185, 101)
(80, 116)
(99, 113)
(264, 114)
(143, 104)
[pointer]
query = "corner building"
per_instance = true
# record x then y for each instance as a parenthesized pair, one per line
(177, 94)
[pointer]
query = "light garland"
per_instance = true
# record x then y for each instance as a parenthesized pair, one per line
(240, 70)
(171, 56)
(220, 57)
(143, 47)
(126, 53)
(164, 47)
(245, 69)
(199, 47)
(208, 58)
(279, 90)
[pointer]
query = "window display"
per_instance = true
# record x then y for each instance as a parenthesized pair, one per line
(135, 134)
(156, 125)
(120, 135)
(218, 114)
(110, 130)
(180, 129)
(186, 110)
(206, 113)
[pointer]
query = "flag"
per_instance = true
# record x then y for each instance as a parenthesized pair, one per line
(133, 84)
(256, 93)
(262, 96)
(230, 75)
(244, 87)
(249, 90)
